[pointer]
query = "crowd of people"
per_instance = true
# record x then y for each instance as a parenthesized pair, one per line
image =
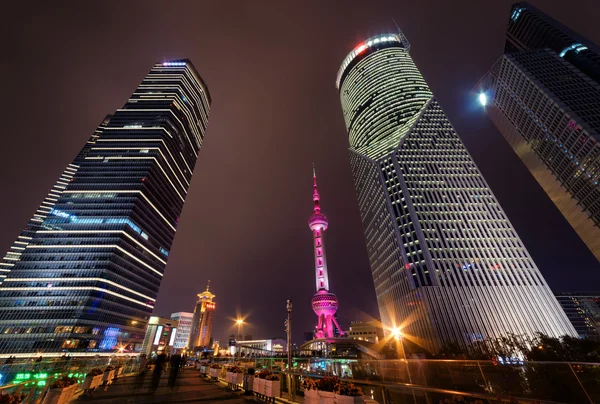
(158, 365)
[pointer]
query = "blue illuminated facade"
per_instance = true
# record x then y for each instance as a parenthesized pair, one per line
(84, 274)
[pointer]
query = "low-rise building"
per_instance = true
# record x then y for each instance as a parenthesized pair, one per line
(160, 335)
(370, 331)
(262, 346)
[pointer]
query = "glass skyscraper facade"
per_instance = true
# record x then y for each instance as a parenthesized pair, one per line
(84, 274)
(447, 264)
(583, 309)
(544, 97)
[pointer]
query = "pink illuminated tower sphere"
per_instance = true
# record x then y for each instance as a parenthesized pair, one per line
(324, 303)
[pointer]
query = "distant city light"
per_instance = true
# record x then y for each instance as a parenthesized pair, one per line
(483, 99)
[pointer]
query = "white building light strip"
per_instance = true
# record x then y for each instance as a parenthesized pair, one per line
(151, 148)
(123, 192)
(78, 280)
(97, 246)
(174, 116)
(8, 289)
(103, 232)
(106, 158)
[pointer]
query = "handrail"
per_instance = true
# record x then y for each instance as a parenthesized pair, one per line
(426, 389)
(33, 390)
(410, 360)
(541, 381)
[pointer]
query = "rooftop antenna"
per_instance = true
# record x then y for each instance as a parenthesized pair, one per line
(402, 36)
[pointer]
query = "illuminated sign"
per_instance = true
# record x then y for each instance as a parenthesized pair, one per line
(157, 335)
(172, 340)
(174, 64)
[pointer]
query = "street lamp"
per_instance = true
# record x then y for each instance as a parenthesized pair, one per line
(398, 336)
(289, 347)
(239, 323)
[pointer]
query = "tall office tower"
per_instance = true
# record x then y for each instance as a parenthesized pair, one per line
(543, 95)
(324, 303)
(583, 309)
(203, 319)
(84, 274)
(182, 338)
(447, 264)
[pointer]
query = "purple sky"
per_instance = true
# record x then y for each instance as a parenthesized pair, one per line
(270, 68)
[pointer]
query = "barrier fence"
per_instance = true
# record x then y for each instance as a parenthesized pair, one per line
(34, 378)
(429, 381)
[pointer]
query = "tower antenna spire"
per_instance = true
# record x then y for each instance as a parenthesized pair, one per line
(402, 36)
(208, 285)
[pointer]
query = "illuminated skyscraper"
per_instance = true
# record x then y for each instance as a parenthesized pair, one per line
(324, 303)
(543, 95)
(203, 319)
(583, 309)
(85, 272)
(185, 320)
(448, 266)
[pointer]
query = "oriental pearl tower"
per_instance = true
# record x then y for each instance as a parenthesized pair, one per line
(324, 303)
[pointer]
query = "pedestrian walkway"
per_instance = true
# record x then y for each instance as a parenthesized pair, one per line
(190, 388)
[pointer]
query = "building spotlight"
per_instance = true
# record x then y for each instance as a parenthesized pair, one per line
(483, 99)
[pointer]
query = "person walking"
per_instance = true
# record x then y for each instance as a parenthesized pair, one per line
(184, 359)
(143, 365)
(141, 375)
(175, 365)
(159, 366)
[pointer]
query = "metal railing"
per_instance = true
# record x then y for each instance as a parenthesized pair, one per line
(429, 381)
(33, 379)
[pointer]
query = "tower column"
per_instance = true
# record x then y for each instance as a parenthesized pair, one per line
(324, 303)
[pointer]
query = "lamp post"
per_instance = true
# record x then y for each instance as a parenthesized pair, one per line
(289, 347)
(239, 323)
(398, 336)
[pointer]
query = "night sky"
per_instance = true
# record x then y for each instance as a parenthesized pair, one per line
(270, 68)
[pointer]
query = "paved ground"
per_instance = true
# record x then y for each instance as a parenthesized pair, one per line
(190, 389)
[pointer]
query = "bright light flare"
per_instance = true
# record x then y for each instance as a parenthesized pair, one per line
(483, 99)
(239, 321)
(397, 333)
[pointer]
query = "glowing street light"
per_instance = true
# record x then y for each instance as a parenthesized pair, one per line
(397, 333)
(239, 322)
(398, 336)
(483, 99)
